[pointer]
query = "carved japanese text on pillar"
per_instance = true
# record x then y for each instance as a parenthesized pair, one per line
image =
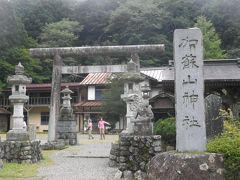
(189, 64)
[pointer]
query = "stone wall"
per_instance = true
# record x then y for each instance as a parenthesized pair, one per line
(21, 151)
(187, 166)
(133, 153)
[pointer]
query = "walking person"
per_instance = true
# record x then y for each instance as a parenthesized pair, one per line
(90, 125)
(101, 126)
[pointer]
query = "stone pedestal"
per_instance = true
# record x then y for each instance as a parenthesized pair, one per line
(187, 166)
(67, 131)
(17, 135)
(133, 153)
(143, 128)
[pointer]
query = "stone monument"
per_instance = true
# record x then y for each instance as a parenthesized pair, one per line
(190, 161)
(189, 89)
(18, 98)
(67, 124)
(214, 122)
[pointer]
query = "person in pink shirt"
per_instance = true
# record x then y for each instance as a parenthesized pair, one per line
(90, 125)
(101, 126)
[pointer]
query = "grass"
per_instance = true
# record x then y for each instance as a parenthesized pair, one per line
(13, 171)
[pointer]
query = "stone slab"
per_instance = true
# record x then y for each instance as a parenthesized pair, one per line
(189, 90)
(214, 123)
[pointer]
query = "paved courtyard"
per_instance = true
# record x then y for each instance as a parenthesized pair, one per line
(86, 161)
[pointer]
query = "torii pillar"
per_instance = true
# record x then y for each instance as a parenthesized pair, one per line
(58, 69)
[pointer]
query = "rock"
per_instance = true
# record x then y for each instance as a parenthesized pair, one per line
(157, 143)
(127, 175)
(112, 163)
(157, 137)
(112, 157)
(158, 149)
(139, 175)
(142, 165)
(118, 175)
(122, 166)
(124, 153)
(123, 159)
(187, 166)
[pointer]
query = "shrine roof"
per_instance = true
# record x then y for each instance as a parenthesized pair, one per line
(214, 70)
(95, 79)
(93, 103)
(48, 86)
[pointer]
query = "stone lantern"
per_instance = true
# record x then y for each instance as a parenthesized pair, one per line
(132, 93)
(66, 126)
(18, 98)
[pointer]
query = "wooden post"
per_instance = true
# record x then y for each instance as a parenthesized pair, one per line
(55, 97)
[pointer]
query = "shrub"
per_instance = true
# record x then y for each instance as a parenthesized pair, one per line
(167, 129)
(229, 145)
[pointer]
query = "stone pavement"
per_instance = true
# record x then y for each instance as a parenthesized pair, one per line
(86, 161)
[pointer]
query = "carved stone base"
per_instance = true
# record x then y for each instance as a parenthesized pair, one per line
(187, 166)
(143, 128)
(67, 132)
(17, 135)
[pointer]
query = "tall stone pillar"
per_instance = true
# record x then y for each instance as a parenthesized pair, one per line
(18, 98)
(55, 98)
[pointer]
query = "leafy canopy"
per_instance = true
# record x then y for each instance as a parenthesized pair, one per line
(60, 34)
(211, 40)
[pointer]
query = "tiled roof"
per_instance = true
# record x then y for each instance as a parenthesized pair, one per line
(48, 85)
(215, 70)
(160, 74)
(95, 78)
(89, 104)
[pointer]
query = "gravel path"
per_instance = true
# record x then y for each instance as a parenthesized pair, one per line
(86, 161)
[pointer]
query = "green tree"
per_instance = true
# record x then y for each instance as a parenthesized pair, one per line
(113, 106)
(138, 22)
(12, 32)
(60, 34)
(211, 40)
(35, 14)
(14, 39)
(224, 14)
(94, 15)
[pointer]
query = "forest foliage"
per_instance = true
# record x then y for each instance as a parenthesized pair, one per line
(53, 23)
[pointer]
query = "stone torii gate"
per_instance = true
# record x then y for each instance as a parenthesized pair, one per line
(58, 69)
